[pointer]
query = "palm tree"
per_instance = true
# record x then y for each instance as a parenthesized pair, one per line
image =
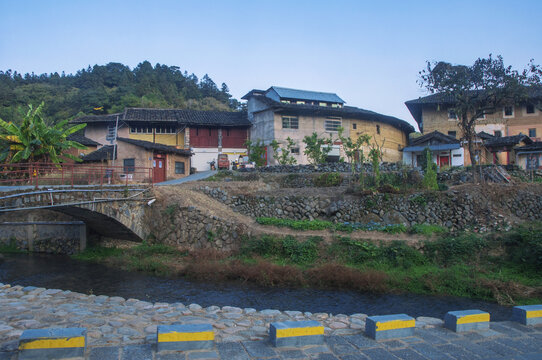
(35, 141)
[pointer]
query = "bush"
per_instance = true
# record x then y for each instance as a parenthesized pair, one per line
(398, 253)
(328, 179)
(287, 248)
(448, 250)
(524, 245)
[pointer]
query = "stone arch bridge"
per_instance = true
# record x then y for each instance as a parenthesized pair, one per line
(115, 211)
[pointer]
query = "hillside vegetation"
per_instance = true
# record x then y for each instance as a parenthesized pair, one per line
(105, 89)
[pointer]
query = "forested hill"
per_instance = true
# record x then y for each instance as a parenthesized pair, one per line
(106, 89)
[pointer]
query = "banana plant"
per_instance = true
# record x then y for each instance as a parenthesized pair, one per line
(34, 140)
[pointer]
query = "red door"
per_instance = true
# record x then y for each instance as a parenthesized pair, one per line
(444, 160)
(158, 169)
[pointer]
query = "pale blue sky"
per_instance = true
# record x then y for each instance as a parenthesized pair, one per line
(368, 52)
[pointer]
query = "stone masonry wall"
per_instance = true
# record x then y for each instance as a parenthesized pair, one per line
(453, 209)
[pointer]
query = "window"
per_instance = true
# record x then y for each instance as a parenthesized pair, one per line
(323, 104)
(290, 122)
(140, 130)
(166, 130)
(129, 165)
(354, 126)
(378, 129)
(508, 111)
(179, 167)
(210, 131)
(332, 124)
(497, 133)
(532, 133)
(529, 108)
(452, 115)
(295, 151)
(299, 102)
(452, 133)
(227, 132)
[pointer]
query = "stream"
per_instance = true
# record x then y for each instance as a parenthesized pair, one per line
(62, 272)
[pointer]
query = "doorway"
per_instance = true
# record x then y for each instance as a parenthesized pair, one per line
(158, 169)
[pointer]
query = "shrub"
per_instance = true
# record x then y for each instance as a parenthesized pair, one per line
(300, 252)
(398, 253)
(524, 245)
(448, 250)
(428, 229)
(328, 179)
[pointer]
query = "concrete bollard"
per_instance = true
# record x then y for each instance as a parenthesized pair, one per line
(389, 326)
(185, 337)
(296, 333)
(52, 343)
(527, 315)
(466, 320)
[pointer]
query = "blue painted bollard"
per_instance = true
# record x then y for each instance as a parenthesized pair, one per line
(185, 337)
(389, 326)
(52, 343)
(296, 333)
(528, 315)
(466, 320)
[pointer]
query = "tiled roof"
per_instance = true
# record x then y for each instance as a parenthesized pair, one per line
(535, 146)
(344, 112)
(83, 140)
(188, 117)
(434, 137)
(485, 136)
(287, 93)
(103, 153)
(156, 147)
(507, 141)
(97, 118)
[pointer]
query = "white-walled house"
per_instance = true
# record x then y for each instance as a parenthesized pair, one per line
(446, 150)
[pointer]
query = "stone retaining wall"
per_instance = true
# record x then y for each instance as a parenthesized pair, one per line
(452, 209)
(60, 237)
(190, 228)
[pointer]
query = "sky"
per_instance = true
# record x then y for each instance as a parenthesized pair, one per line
(368, 52)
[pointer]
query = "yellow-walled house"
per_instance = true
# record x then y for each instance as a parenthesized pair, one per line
(278, 113)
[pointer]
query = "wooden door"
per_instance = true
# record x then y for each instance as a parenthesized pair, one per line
(158, 169)
(444, 160)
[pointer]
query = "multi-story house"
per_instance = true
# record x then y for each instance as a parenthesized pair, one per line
(203, 134)
(434, 113)
(278, 113)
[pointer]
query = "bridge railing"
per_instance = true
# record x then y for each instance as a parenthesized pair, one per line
(36, 174)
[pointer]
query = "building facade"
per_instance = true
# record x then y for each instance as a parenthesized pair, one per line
(205, 133)
(435, 113)
(279, 113)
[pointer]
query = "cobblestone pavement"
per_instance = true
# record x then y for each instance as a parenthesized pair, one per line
(126, 329)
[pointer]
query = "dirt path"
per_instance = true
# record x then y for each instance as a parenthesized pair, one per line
(186, 196)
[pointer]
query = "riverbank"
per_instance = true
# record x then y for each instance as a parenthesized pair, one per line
(119, 328)
(504, 268)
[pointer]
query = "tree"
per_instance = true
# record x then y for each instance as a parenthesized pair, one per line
(473, 91)
(317, 148)
(430, 171)
(354, 150)
(284, 157)
(375, 154)
(256, 152)
(34, 140)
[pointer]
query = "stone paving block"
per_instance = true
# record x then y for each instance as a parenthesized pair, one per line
(202, 355)
(8, 355)
(259, 348)
(58, 343)
(466, 320)
(431, 337)
(361, 342)
(455, 351)
(531, 356)
(325, 357)
(430, 351)
(355, 357)
(378, 354)
(498, 348)
(137, 352)
(177, 355)
(292, 354)
(505, 330)
(527, 315)
(394, 344)
(389, 326)
(476, 349)
(408, 354)
(521, 345)
(232, 351)
(296, 333)
(104, 353)
(311, 350)
(185, 337)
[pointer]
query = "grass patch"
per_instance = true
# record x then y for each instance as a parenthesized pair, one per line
(323, 225)
(428, 229)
